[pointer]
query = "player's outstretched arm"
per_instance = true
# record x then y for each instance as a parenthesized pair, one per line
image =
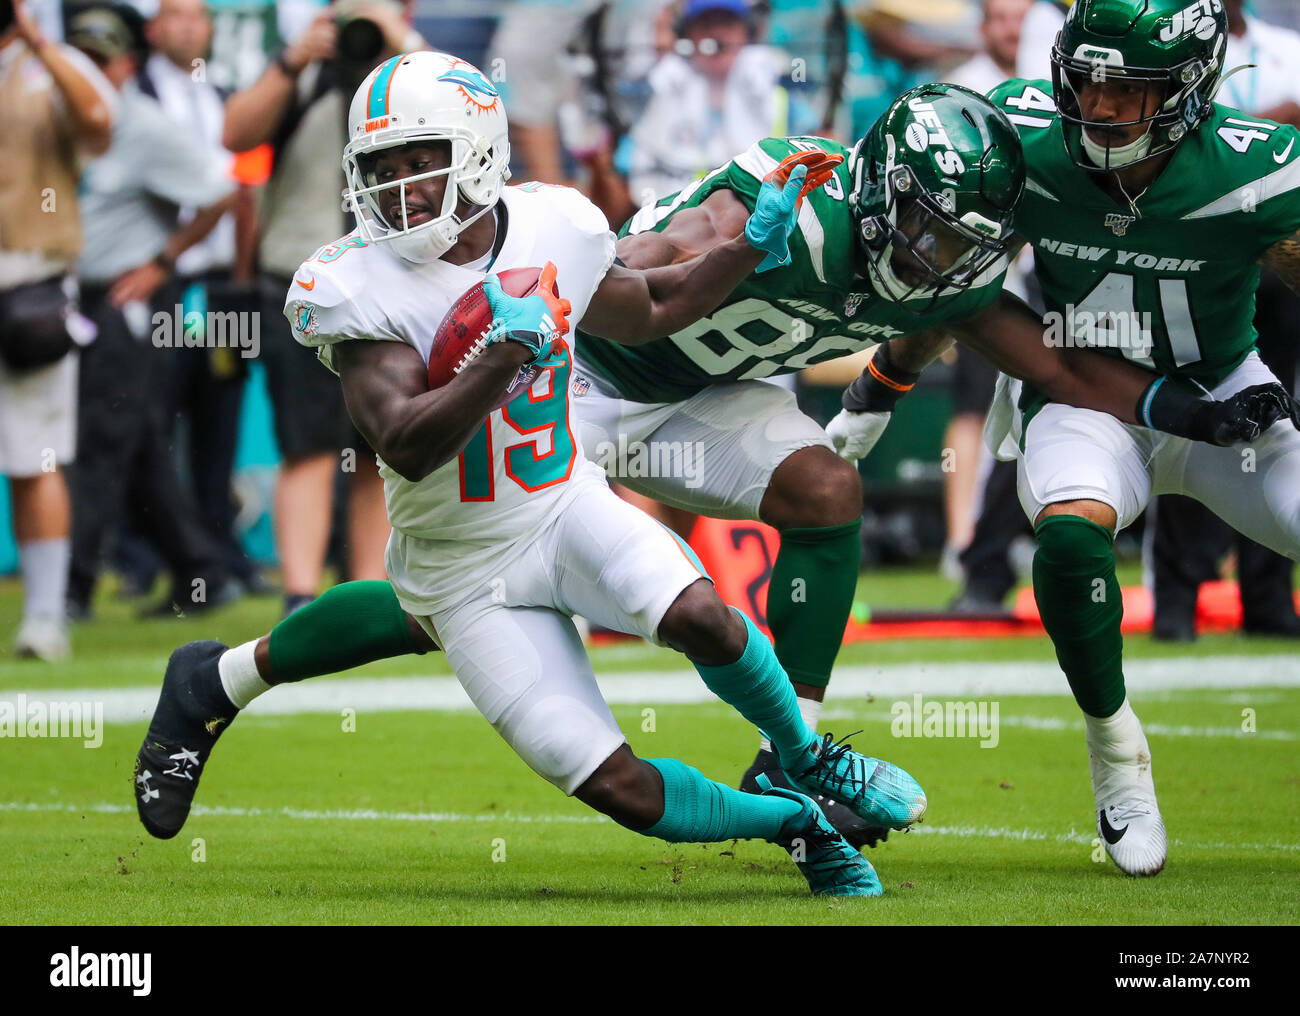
(414, 430)
(633, 306)
(690, 232)
(1014, 339)
(692, 266)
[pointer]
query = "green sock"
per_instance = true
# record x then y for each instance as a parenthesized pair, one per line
(1079, 600)
(351, 624)
(697, 810)
(810, 597)
(757, 688)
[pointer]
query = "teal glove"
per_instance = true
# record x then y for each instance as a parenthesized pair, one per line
(536, 321)
(776, 212)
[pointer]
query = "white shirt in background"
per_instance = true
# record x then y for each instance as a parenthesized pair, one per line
(196, 107)
(1038, 34)
(1276, 53)
(681, 136)
(980, 74)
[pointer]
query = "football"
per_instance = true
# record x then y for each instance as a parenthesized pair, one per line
(462, 334)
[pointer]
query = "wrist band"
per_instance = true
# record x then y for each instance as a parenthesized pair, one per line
(881, 385)
(1175, 408)
(285, 69)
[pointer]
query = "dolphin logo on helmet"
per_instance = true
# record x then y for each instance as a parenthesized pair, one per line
(474, 86)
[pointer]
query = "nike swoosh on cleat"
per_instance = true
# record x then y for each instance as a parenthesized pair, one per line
(1108, 831)
(1279, 159)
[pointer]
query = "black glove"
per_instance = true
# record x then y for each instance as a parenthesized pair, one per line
(1179, 409)
(1246, 415)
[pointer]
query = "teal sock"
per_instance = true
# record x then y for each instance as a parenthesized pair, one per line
(697, 810)
(350, 624)
(1079, 601)
(757, 687)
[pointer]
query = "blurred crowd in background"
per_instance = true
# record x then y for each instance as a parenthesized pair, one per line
(167, 164)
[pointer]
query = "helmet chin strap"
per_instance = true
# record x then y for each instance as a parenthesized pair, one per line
(1116, 158)
(425, 245)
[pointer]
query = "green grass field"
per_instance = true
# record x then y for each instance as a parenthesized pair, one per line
(423, 816)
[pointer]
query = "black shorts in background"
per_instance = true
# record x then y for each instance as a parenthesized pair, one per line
(307, 399)
(973, 380)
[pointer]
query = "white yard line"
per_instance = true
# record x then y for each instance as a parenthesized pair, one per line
(938, 680)
(434, 817)
(834, 714)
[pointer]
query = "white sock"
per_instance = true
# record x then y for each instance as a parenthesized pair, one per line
(810, 710)
(44, 566)
(239, 677)
(1119, 757)
(1117, 737)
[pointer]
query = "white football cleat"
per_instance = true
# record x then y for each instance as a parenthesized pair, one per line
(42, 638)
(1128, 818)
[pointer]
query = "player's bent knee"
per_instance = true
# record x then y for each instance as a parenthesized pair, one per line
(627, 789)
(703, 627)
(1094, 511)
(813, 488)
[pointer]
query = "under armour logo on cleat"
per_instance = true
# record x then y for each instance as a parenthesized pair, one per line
(148, 793)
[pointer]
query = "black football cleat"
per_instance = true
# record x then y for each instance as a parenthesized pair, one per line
(856, 830)
(191, 714)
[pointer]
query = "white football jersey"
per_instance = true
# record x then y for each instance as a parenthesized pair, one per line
(462, 523)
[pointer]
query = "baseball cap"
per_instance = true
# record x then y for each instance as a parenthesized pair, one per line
(694, 8)
(101, 33)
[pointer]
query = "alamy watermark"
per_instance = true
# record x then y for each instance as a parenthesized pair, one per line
(75, 969)
(678, 460)
(919, 718)
(215, 329)
(1107, 329)
(22, 717)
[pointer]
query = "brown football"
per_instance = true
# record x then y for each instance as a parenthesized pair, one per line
(462, 335)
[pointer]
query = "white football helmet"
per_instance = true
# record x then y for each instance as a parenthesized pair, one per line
(426, 96)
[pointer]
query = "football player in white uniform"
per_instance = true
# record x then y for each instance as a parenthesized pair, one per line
(502, 530)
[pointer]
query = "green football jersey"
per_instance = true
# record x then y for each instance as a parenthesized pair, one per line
(815, 308)
(1172, 288)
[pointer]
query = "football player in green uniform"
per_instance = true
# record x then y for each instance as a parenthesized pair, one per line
(906, 237)
(1150, 209)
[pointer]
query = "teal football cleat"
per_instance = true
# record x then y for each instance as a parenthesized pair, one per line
(831, 866)
(877, 791)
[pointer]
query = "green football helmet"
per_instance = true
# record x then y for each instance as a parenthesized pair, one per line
(1175, 48)
(936, 182)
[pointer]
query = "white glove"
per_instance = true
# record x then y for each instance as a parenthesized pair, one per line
(855, 434)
